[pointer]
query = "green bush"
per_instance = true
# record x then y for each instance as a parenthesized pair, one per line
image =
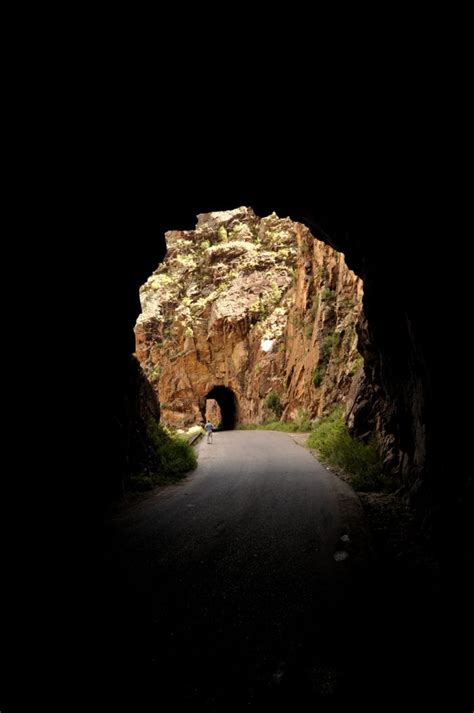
(303, 421)
(331, 439)
(175, 456)
(328, 295)
(317, 374)
(273, 403)
(155, 374)
(325, 351)
(222, 234)
(359, 360)
(327, 346)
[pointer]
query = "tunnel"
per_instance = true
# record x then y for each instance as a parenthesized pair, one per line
(227, 403)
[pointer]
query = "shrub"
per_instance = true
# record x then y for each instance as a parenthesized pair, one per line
(327, 346)
(303, 421)
(186, 261)
(359, 360)
(222, 234)
(328, 295)
(331, 439)
(276, 293)
(317, 374)
(155, 374)
(274, 404)
(175, 456)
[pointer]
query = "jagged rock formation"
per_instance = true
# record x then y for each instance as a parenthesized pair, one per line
(253, 305)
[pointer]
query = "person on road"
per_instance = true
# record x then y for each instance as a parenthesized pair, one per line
(209, 429)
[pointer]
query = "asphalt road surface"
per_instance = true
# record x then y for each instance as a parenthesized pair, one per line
(237, 588)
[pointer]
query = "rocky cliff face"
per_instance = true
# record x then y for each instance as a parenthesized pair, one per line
(243, 307)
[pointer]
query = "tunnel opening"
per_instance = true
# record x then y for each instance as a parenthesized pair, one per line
(226, 403)
(390, 341)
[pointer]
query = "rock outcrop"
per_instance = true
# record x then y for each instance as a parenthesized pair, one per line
(255, 305)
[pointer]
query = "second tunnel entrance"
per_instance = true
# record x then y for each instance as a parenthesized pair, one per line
(227, 404)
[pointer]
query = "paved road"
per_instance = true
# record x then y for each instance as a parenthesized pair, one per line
(234, 589)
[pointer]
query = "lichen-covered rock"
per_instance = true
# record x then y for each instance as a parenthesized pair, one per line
(254, 304)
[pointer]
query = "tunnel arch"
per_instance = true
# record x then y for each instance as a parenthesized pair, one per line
(382, 264)
(227, 402)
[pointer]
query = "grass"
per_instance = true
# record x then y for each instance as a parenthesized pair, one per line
(337, 448)
(288, 426)
(301, 424)
(176, 459)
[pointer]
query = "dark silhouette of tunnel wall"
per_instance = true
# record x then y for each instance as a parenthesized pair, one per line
(225, 397)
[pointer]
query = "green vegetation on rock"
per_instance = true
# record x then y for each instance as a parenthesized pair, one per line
(328, 295)
(222, 234)
(317, 374)
(358, 362)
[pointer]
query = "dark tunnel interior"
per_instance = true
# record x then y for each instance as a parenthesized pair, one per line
(227, 402)
(371, 170)
(385, 225)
